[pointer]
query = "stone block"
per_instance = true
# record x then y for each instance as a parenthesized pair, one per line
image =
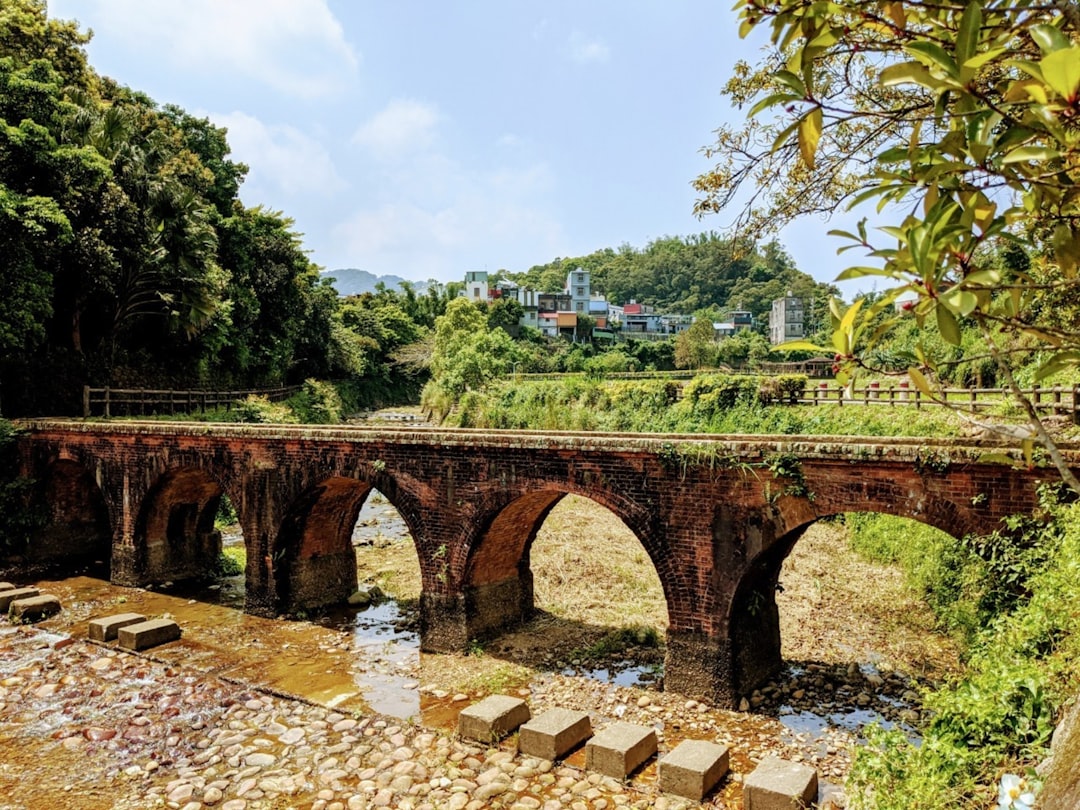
(620, 749)
(492, 718)
(6, 586)
(554, 733)
(693, 768)
(106, 628)
(777, 784)
(10, 595)
(146, 634)
(34, 608)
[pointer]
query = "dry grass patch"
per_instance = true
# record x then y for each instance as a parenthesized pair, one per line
(589, 567)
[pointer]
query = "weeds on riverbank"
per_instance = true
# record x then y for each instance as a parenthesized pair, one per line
(1016, 606)
(711, 403)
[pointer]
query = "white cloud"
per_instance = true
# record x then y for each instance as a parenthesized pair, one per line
(403, 127)
(494, 217)
(280, 156)
(298, 47)
(584, 49)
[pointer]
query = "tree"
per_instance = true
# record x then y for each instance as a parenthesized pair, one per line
(962, 121)
(506, 314)
(696, 347)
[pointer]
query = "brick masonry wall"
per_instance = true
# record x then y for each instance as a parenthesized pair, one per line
(712, 517)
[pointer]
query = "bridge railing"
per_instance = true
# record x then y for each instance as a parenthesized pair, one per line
(109, 401)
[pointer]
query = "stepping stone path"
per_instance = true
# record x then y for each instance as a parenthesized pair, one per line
(34, 608)
(146, 634)
(554, 733)
(693, 769)
(492, 718)
(107, 628)
(619, 749)
(777, 784)
(11, 594)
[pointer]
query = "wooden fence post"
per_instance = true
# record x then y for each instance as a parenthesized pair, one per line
(86, 401)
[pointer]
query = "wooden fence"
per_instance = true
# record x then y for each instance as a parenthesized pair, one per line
(1055, 399)
(147, 401)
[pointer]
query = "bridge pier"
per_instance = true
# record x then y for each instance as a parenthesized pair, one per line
(700, 666)
(448, 622)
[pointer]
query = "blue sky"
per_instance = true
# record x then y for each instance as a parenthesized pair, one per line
(427, 139)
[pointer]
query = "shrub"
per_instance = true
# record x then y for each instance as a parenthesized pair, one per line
(317, 403)
(257, 409)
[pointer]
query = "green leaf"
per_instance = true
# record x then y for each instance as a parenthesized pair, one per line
(809, 135)
(920, 381)
(967, 38)
(791, 81)
(980, 59)
(1026, 153)
(947, 325)
(962, 301)
(1048, 38)
(908, 73)
(1061, 70)
(933, 55)
(1058, 362)
(861, 272)
(774, 100)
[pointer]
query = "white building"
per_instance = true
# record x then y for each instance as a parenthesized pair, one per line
(476, 286)
(578, 288)
(787, 320)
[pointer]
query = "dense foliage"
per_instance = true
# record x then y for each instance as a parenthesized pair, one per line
(960, 122)
(1011, 596)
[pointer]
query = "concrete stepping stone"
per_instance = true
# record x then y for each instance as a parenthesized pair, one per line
(10, 595)
(6, 586)
(107, 627)
(141, 635)
(620, 749)
(34, 608)
(554, 733)
(492, 718)
(693, 768)
(777, 784)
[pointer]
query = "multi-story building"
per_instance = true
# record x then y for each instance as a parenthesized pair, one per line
(787, 320)
(476, 286)
(578, 287)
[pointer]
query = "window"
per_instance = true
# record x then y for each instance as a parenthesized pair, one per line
(476, 292)
(580, 291)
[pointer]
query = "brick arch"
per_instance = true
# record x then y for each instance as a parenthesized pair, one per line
(314, 564)
(77, 528)
(497, 578)
(174, 535)
(753, 616)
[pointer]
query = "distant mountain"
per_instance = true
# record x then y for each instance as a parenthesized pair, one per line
(350, 281)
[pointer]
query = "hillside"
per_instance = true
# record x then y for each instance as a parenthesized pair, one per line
(351, 281)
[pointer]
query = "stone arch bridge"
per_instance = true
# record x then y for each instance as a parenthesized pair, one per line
(717, 515)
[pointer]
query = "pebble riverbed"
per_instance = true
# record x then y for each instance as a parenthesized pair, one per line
(88, 726)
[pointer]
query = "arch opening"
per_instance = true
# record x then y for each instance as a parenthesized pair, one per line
(827, 631)
(176, 536)
(343, 541)
(75, 534)
(559, 581)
